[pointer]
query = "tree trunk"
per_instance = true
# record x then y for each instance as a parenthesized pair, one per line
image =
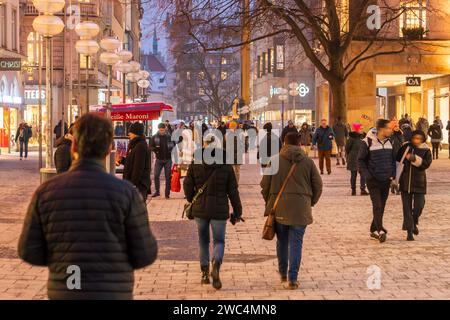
(339, 101)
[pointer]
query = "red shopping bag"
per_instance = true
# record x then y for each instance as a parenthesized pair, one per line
(175, 182)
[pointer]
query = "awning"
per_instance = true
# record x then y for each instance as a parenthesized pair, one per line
(137, 111)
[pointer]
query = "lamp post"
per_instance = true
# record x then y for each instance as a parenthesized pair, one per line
(283, 97)
(124, 67)
(48, 25)
(144, 83)
(87, 30)
(134, 75)
(110, 58)
(293, 92)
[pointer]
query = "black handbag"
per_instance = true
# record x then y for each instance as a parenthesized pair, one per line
(188, 206)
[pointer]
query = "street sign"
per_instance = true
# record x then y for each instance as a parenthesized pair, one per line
(413, 81)
(10, 64)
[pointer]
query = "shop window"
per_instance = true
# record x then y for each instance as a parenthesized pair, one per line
(413, 19)
(83, 62)
(34, 46)
(2, 25)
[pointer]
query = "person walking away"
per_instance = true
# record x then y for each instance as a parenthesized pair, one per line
(341, 133)
(23, 134)
(211, 210)
(397, 141)
(376, 162)
(416, 156)
(137, 161)
(323, 138)
(235, 156)
(352, 147)
(293, 212)
(404, 120)
(289, 128)
(406, 131)
(63, 156)
(100, 231)
(161, 144)
(270, 139)
(305, 134)
(58, 131)
(439, 121)
(435, 133)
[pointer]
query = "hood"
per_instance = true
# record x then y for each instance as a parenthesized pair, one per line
(355, 135)
(63, 140)
(292, 153)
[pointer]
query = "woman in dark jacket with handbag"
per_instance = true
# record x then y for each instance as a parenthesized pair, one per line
(413, 180)
(351, 151)
(293, 210)
(211, 209)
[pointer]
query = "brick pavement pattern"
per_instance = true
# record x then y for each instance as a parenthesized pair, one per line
(337, 255)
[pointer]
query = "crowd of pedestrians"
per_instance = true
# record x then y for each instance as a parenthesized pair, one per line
(393, 155)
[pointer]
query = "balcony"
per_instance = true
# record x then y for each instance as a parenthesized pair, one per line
(86, 10)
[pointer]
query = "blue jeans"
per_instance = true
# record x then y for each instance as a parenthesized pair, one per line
(289, 249)
(159, 166)
(23, 147)
(218, 231)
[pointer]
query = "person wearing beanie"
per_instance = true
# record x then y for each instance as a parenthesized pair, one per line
(137, 162)
(376, 162)
(352, 147)
(416, 159)
(161, 144)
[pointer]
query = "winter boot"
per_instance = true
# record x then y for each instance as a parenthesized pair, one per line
(353, 192)
(205, 275)
(410, 236)
(217, 284)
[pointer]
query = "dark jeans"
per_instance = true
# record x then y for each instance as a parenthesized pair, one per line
(159, 166)
(436, 146)
(23, 147)
(325, 155)
(362, 180)
(218, 232)
(379, 193)
(413, 204)
(289, 249)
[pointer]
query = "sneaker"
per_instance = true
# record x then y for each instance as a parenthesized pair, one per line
(410, 237)
(375, 235)
(382, 237)
(155, 195)
(353, 192)
(293, 285)
(364, 192)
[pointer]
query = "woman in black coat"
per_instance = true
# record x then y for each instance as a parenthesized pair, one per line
(435, 132)
(211, 209)
(137, 162)
(413, 180)
(352, 147)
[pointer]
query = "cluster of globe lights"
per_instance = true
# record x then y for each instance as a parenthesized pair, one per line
(47, 24)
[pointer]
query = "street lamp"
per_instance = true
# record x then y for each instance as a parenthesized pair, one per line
(124, 67)
(283, 97)
(48, 25)
(144, 83)
(87, 30)
(134, 76)
(110, 58)
(293, 92)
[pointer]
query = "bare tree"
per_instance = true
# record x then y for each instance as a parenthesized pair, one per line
(326, 30)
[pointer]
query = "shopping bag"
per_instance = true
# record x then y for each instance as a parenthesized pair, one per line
(175, 182)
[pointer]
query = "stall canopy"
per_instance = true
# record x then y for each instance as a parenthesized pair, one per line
(137, 111)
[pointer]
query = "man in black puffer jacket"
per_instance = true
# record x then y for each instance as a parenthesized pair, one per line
(211, 209)
(137, 162)
(89, 228)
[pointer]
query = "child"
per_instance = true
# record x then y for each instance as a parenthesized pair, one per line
(413, 180)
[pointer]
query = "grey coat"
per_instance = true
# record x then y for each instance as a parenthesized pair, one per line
(302, 192)
(341, 133)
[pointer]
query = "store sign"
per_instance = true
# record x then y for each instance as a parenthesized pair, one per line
(32, 96)
(413, 81)
(302, 90)
(10, 64)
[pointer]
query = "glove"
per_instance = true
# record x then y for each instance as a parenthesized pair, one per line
(234, 218)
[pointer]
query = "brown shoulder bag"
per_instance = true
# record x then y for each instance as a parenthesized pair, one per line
(269, 226)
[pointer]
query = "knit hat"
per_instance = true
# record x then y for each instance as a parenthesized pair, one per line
(233, 125)
(419, 133)
(356, 126)
(137, 128)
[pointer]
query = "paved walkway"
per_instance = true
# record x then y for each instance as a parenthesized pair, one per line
(338, 257)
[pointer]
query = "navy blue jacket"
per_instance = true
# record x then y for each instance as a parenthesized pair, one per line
(376, 158)
(322, 138)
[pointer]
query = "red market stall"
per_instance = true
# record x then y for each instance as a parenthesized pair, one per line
(137, 111)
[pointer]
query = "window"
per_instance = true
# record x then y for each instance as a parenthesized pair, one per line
(201, 91)
(201, 75)
(223, 60)
(83, 62)
(14, 29)
(188, 75)
(2, 25)
(343, 12)
(414, 15)
(34, 44)
(265, 62)
(223, 75)
(280, 57)
(270, 60)
(260, 67)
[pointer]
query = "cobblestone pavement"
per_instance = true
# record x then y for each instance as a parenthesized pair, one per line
(337, 256)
